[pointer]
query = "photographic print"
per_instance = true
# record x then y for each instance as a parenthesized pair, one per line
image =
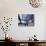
(26, 19)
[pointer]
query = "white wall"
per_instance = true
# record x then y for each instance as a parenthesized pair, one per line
(11, 8)
(45, 29)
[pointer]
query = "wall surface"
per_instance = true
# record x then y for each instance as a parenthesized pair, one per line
(11, 8)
